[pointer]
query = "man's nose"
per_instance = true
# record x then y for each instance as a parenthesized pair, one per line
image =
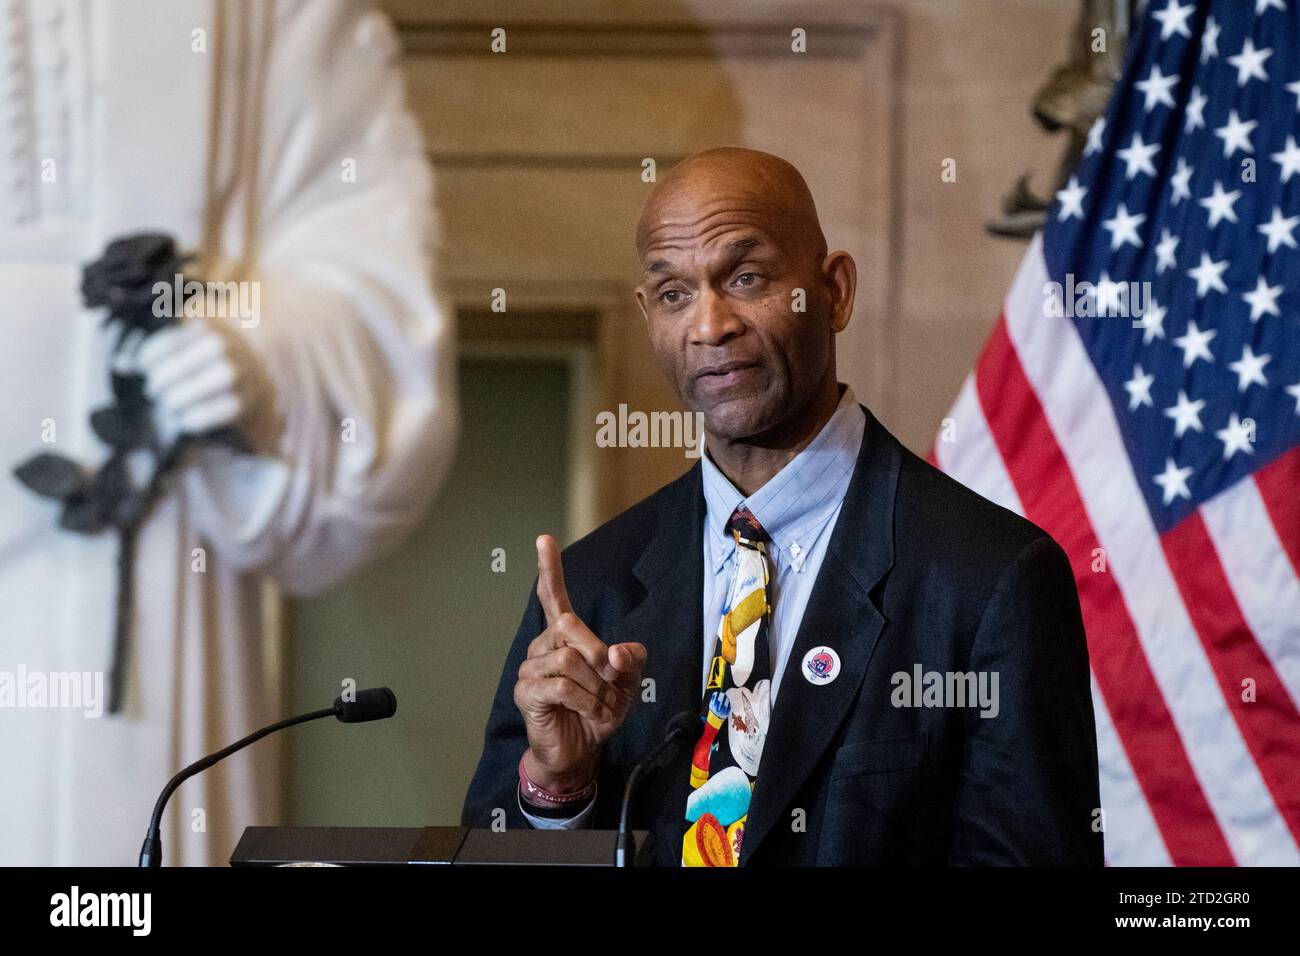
(715, 321)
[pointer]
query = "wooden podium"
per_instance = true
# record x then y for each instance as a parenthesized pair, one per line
(431, 846)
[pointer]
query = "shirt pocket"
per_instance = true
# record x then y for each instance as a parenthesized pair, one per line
(879, 756)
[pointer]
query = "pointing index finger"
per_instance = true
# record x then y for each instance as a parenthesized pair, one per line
(550, 580)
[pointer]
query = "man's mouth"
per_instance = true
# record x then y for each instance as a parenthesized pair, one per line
(724, 375)
(726, 368)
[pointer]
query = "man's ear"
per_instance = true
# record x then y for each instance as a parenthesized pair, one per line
(640, 301)
(841, 274)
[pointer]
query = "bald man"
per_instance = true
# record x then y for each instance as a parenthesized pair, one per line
(863, 661)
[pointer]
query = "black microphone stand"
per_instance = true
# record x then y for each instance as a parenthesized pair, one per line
(679, 732)
(151, 852)
(376, 703)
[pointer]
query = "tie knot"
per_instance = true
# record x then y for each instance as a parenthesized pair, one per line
(743, 523)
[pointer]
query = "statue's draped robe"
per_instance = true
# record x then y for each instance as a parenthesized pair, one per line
(274, 138)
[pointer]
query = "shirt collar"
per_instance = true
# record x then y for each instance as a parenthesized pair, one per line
(797, 503)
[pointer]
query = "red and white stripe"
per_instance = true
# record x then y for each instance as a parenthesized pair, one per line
(1180, 627)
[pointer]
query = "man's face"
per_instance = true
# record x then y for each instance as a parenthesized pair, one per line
(718, 293)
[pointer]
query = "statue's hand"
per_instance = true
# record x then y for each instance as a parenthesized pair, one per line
(203, 375)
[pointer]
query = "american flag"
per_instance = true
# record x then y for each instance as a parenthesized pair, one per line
(1161, 449)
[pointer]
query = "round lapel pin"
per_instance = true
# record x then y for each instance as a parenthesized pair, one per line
(821, 665)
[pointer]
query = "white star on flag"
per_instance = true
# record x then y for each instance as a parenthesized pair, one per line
(1236, 436)
(1165, 250)
(1280, 231)
(1186, 414)
(1139, 388)
(1181, 182)
(1209, 275)
(1174, 481)
(1195, 344)
(1123, 227)
(1152, 322)
(1250, 63)
(1071, 200)
(1173, 19)
(1196, 111)
(1095, 132)
(1288, 159)
(1263, 300)
(1210, 42)
(1220, 205)
(1158, 88)
(1249, 368)
(1236, 134)
(1137, 157)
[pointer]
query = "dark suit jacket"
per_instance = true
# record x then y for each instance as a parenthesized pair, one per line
(919, 570)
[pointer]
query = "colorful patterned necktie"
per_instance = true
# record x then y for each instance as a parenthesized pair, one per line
(736, 709)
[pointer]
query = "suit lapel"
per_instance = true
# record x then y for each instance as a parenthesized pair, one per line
(842, 615)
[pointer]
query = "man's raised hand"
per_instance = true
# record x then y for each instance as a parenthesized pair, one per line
(573, 691)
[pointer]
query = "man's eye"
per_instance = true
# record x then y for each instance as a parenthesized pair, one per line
(669, 296)
(746, 279)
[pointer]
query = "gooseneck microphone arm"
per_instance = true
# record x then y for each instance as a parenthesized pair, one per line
(678, 732)
(373, 704)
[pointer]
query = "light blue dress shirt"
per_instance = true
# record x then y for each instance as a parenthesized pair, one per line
(798, 508)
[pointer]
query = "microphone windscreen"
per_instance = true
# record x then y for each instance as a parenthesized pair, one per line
(374, 703)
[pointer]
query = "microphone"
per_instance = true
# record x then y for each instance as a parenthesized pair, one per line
(680, 730)
(376, 703)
